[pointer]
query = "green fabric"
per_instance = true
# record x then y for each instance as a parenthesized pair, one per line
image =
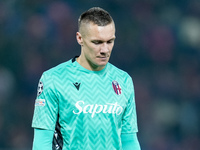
(92, 114)
(42, 139)
(130, 142)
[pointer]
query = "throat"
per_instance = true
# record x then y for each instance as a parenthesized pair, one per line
(89, 65)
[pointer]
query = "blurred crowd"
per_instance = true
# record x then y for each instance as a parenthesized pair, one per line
(158, 44)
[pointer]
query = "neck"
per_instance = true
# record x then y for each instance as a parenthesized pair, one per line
(87, 65)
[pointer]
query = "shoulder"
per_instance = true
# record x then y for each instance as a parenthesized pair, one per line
(117, 71)
(59, 69)
(123, 78)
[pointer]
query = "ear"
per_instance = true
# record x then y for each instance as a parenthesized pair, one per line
(79, 38)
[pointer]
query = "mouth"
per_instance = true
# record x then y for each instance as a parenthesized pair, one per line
(103, 57)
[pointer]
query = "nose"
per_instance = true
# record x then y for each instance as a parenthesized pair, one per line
(104, 48)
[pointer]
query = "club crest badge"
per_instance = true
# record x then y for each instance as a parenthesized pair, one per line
(116, 87)
(40, 88)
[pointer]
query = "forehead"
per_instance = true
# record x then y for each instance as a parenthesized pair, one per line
(95, 32)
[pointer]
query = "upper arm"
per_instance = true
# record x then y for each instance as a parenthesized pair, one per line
(129, 120)
(46, 105)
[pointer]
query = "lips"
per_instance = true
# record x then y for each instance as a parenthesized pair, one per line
(103, 58)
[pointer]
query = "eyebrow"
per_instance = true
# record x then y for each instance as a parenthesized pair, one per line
(96, 40)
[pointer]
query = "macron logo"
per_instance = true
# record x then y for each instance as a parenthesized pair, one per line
(77, 85)
(95, 108)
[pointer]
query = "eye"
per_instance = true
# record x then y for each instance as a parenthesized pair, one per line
(97, 42)
(110, 41)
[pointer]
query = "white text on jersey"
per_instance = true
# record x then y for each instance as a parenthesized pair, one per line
(96, 108)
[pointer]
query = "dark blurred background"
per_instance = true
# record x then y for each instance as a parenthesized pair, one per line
(158, 44)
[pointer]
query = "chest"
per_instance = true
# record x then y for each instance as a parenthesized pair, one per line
(92, 95)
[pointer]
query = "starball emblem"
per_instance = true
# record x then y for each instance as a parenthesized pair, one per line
(40, 88)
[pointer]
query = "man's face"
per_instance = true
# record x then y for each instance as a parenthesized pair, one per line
(97, 43)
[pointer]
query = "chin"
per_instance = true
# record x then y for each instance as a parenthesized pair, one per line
(102, 64)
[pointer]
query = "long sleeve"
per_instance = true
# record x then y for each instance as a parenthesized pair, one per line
(130, 142)
(42, 139)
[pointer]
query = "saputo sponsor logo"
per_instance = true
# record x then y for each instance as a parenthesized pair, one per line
(93, 109)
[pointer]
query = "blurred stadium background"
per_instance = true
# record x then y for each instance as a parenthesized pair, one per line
(158, 44)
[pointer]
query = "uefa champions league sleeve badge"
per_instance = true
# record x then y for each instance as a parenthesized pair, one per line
(40, 88)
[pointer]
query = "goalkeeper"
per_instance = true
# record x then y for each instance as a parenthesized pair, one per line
(87, 103)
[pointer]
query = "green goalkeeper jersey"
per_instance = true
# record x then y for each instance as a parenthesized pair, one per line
(92, 108)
